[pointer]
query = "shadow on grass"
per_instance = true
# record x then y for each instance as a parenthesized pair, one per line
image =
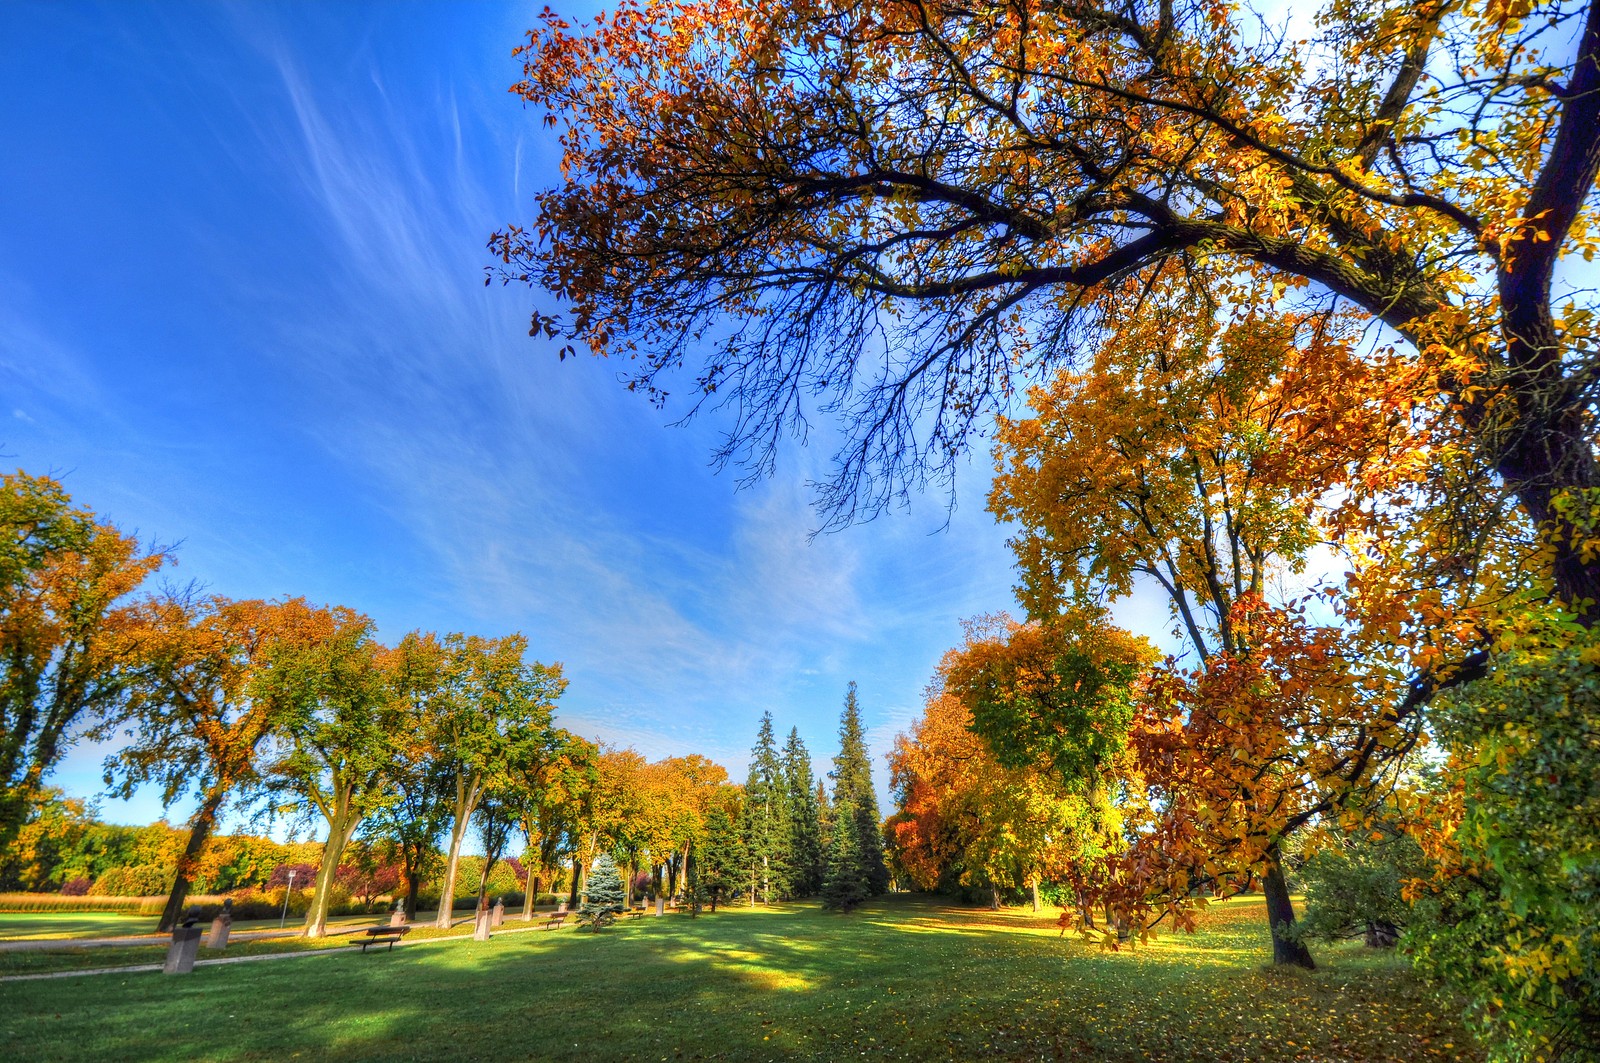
(901, 980)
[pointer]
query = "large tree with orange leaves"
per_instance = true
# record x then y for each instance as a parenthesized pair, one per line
(204, 708)
(72, 641)
(895, 211)
(1208, 452)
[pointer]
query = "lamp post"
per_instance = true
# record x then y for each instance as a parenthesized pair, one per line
(284, 918)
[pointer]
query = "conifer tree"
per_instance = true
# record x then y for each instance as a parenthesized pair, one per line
(854, 797)
(846, 883)
(604, 890)
(766, 819)
(808, 845)
(718, 858)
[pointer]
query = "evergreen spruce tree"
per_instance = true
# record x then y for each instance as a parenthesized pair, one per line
(854, 797)
(604, 891)
(845, 885)
(766, 819)
(807, 845)
(719, 858)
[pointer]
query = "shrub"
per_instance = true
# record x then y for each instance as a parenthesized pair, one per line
(75, 887)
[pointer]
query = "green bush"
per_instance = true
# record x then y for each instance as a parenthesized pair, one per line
(1355, 887)
(1524, 945)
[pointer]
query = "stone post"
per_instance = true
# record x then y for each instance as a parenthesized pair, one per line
(480, 926)
(220, 926)
(661, 905)
(181, 953)
(498, 913)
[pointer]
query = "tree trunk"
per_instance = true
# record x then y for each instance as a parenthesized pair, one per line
(572, 895)
(994, 897)
(200, 826)
(1034, 886)
(458, 833)
(413, 885)
(341, 827)
(530, 898)
(1280, 913)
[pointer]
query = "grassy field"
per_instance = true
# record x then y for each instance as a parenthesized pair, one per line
(902, 979)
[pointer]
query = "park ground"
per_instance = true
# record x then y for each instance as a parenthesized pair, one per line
(903, 979)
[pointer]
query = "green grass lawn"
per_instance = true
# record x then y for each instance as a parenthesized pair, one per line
(903, 979)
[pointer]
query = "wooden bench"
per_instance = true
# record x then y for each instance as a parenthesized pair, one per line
(375, 934)
(555, 921)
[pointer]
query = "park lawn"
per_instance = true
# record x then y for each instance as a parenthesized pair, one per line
(900, 979)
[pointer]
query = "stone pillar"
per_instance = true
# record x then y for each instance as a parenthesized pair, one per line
(661, 905)
(181, 953)
(497, 914)
(218, 938)
(562, 910)
(480, 926)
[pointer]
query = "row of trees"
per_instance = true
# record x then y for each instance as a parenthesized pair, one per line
(297, 710)
(785, 837)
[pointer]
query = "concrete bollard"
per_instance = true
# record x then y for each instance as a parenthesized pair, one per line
(480, 926)
(184, 948)
(497, 914)
(220, 927)
(661, 906)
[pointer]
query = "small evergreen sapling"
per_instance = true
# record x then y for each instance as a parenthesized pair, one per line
(602, 900)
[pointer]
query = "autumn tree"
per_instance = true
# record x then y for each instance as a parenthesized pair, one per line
(488, 690)
(856, 800)
(968, 822)
(410, 823)
(606, 808)
(1198, 452)
(687, 789)
(904, 205)
(550, 795)
(336, 750)
(205, 708)
(71, 638)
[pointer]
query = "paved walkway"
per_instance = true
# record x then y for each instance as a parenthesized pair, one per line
(34, 944)
(505, 928)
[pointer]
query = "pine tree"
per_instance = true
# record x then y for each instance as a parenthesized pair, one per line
(854, 797)
(766, 819)
(604, 892)
(846, 883)
(808, 845)
(718, 858)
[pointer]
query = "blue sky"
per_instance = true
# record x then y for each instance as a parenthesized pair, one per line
(241, 252)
